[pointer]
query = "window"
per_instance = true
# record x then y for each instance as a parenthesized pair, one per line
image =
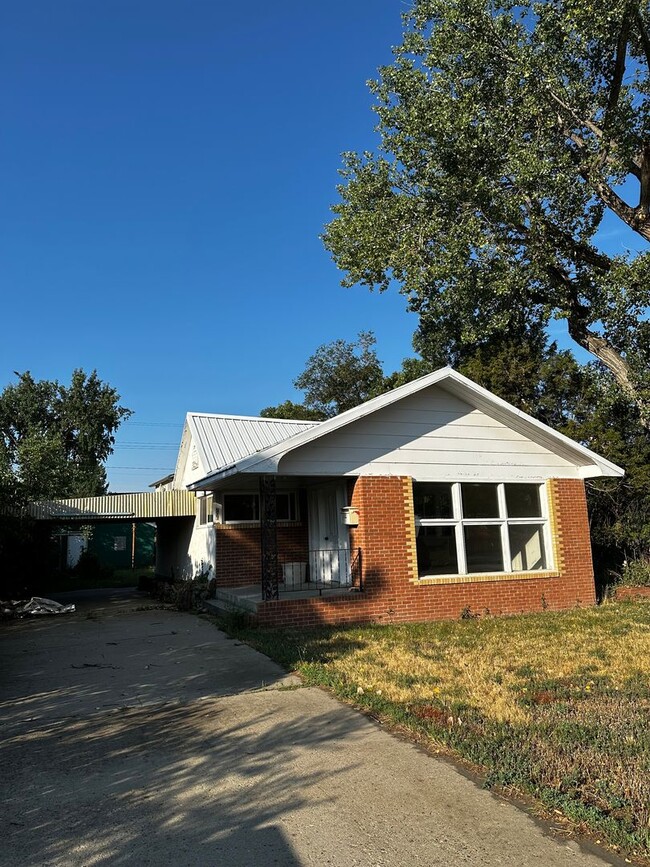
(246, 507)
(205, 510)
(473, 527)
(286, 508)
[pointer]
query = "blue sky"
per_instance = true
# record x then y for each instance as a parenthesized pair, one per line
(166, 169)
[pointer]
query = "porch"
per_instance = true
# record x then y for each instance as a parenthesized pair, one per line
(283, 538)
(325, 573)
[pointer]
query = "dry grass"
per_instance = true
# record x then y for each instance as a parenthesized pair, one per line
(557, 705)
(489, 664)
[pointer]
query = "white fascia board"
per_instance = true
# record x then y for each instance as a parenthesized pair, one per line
(183, 451)
(590, 463)
(196, 440)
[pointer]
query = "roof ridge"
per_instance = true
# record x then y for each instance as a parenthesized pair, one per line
(252, 418)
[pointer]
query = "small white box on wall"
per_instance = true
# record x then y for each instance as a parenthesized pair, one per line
(350, 516)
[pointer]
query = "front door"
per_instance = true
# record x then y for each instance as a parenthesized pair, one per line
(329, 547)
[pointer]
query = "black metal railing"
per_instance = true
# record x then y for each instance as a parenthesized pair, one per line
(323, 569)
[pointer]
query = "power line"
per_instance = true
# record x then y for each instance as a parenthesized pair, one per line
(175, 424)
(147, 446)
(144, 443)
(133, 469)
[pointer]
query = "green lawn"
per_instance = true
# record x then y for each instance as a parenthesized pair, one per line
(554, 705)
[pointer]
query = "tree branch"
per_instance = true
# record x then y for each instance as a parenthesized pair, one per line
(636, 218)
(644, 193)
(643, 34)
(619, 70)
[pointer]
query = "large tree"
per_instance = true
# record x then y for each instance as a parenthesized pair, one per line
(54, 438)
(507, 131)
(338, 376)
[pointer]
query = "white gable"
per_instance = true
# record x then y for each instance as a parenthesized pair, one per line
(440, 426)
(189, 465)
(431, 435)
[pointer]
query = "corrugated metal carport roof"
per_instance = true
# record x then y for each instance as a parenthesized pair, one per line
(142, 505)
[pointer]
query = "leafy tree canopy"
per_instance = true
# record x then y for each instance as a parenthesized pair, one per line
(338, 376)
(55, 438)
(507, 131)
(291, 410)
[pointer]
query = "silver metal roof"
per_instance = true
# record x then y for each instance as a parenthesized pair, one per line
(222, 440)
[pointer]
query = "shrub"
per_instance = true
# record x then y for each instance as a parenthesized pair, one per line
(636, 573)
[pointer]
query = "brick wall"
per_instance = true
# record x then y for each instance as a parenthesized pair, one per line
(387, 538)
(238, 557)
(632, 593)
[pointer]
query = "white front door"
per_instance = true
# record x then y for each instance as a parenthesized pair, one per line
(329, 546)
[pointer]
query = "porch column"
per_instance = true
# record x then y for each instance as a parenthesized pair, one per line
(269, 537)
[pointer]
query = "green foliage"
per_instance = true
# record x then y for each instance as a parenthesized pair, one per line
(506, 130)
(636, 573)
(291, 410)
(341, 374)
(338, 376)
(54, 438)
(89, 568)
(619, 509)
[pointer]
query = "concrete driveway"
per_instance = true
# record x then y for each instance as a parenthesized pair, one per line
(147, 737)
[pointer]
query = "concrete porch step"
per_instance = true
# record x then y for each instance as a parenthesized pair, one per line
(230, 600)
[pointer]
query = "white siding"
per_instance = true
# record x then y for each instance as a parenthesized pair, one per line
(188, 455)
(202, 549)
(431, 435)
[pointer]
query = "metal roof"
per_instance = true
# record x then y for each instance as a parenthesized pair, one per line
(222, 440)
(125, 507)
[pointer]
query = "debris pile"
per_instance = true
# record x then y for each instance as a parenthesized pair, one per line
(35, 605)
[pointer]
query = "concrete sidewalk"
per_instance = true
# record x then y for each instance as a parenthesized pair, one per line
(149, 738)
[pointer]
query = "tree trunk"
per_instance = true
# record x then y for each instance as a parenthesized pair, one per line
(613, 360)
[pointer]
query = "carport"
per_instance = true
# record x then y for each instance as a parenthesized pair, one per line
(172, 511)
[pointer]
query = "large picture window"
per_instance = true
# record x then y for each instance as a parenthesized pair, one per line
(472, 527)
(246, 507)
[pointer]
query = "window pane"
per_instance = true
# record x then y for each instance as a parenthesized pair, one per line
(480, 501)
(240, 507)
(436, 547)
(432, 500)
(527, 547)
(523, 501)
(286, 507)
(483, 549)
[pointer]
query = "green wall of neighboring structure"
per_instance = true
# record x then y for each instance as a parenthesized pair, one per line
(111, 543)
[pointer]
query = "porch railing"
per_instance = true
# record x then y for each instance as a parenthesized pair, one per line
(324, 569)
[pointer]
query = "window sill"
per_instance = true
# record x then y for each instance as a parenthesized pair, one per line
(483, 576)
